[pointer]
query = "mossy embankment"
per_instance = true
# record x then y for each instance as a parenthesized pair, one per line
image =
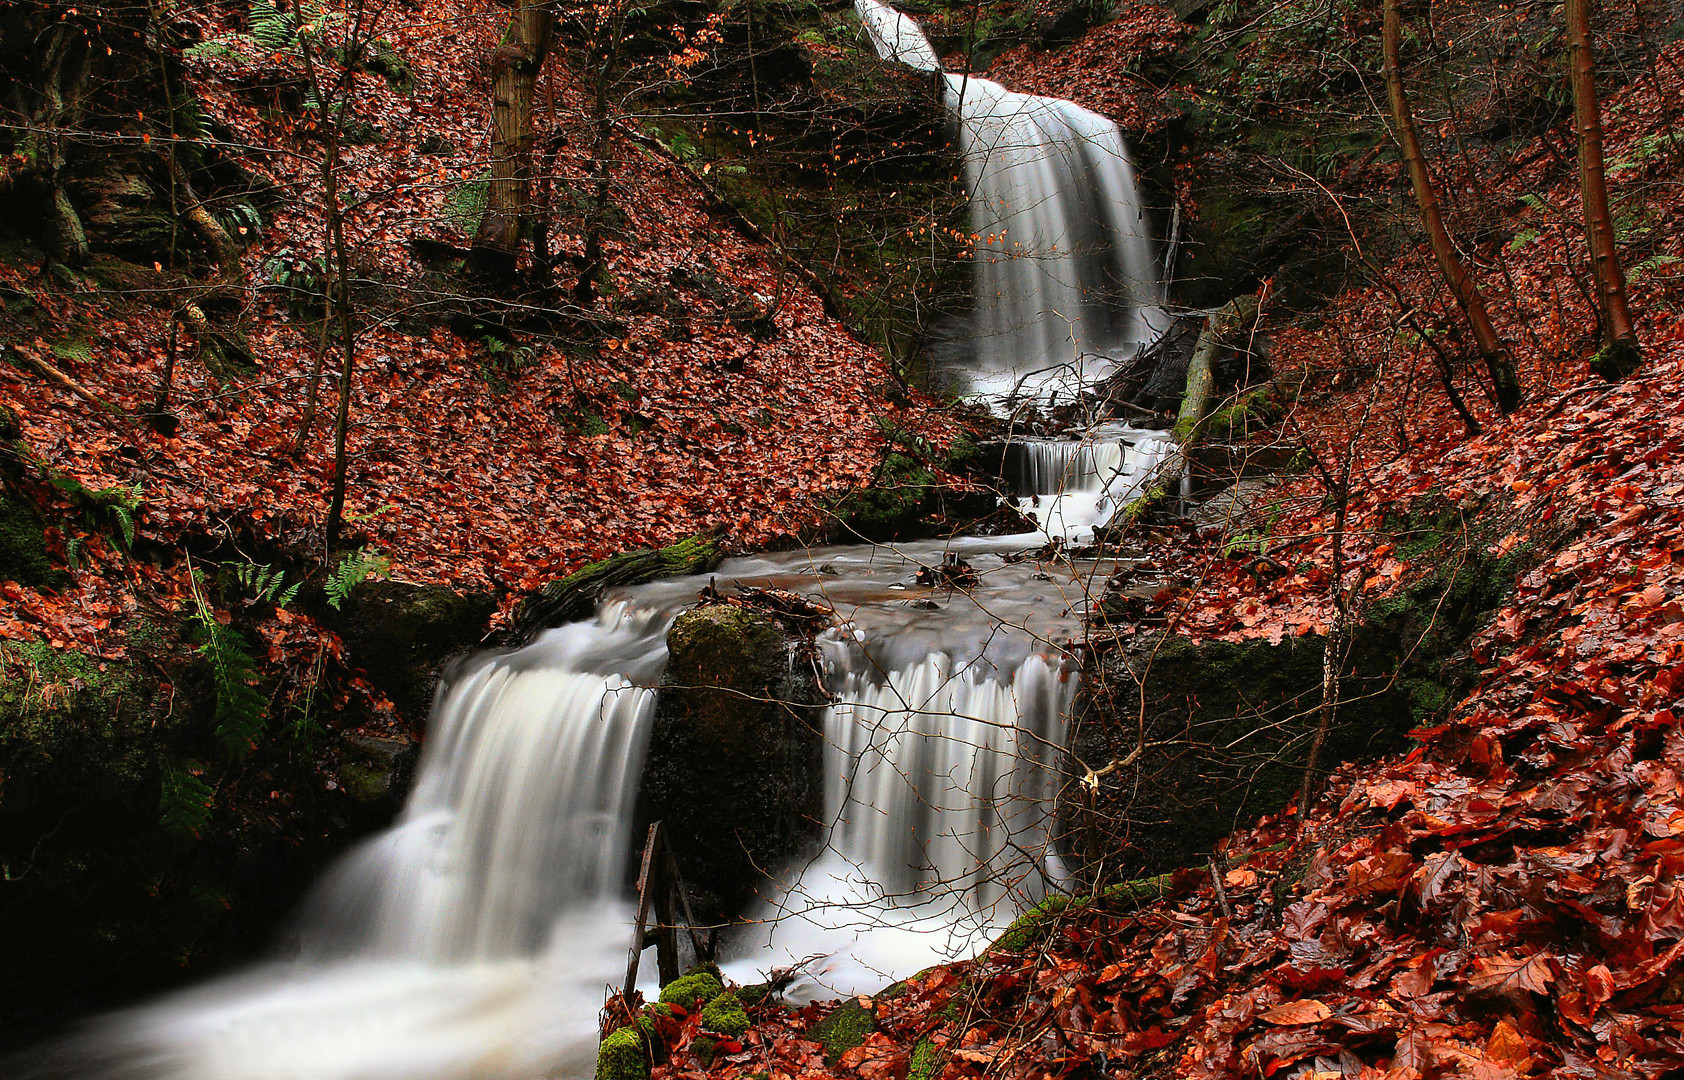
(1190, 738)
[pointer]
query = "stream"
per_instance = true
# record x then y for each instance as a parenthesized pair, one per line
(478, 936)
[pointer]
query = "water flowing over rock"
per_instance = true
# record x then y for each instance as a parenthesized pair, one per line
(1066, 282)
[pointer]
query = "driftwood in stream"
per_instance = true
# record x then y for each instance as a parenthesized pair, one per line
(575, 596)
(1227, 327)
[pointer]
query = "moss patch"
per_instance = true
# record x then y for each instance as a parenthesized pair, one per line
(725, 1015)
(23, 546)
(690, 991)
(574, 597)
(623, 1056)
(844, 1029)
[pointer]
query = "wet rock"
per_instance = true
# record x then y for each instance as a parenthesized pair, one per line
(375, 770)
(734, 758)
(400, 634)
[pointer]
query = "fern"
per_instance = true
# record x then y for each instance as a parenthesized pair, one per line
(355, 569)
(464, 205)
(240, 709)
(273, 30)
(264, 583)
(184, 800)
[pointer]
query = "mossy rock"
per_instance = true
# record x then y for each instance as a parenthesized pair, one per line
(724, 1015)
(890, 507)
(575, 596)
(401, 634)
(1230, 722)
(733, 765)
(23, 546)
(623, 1055)
(845, 1028)
(690, 992)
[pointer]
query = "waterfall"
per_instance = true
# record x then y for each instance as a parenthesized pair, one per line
(1073, 486)
(474, 939)
(1066, 283)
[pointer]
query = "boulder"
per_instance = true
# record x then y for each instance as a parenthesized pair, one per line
(400, 634)
(733, 767)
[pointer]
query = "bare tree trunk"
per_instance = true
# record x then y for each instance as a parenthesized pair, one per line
(1621, 352)
(210, 230)
(1461, 282)
(604, 39)
(339, 263)
(514, 75)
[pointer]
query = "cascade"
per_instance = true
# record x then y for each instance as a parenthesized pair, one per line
(1073, 486)
(1066, 283)
(475, 937)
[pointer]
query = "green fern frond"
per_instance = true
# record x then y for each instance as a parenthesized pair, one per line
(356, 568)
(241, 710)
(184, 800)
(272, 29)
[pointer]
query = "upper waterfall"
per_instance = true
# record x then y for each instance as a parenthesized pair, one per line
(1066, 282)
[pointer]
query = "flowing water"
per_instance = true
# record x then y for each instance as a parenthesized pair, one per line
(477, 937)
(1066, 283)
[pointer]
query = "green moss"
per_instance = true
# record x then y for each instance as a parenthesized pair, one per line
(845, 1028)
(753, 995)
(23, 547)
(1039, 921)
(926, 1060)
(725, 1015)
(690, 991)
(894, 499)
(574, 596)
(1235, 421)
(623, 1056)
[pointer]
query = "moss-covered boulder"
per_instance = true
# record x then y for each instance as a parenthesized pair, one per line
(734, 757)
(845, 1028)
(375, 769)
(623, 1055)
(724, 1015)
(690, 991)
(400, 634)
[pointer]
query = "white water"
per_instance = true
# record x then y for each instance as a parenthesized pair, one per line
(1073, 486)
(476, 939)
(1066, 282)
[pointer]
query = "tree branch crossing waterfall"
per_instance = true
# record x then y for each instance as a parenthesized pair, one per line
(475, 938)
(1066, 282)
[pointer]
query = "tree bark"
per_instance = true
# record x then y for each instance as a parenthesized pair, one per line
(1462, 284)
(64, 76)
(1621, 352)
(604, 45)
(515, 65)
(222, 246)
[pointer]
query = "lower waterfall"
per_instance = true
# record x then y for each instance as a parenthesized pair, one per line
(476, 938)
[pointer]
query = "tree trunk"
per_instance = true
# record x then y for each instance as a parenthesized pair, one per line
(222, 246)
(1462, 284)
(1620, 354)
(64, 75)
(604, 38)
(514, 75)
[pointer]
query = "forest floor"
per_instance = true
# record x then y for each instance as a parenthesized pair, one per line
(481, 462)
